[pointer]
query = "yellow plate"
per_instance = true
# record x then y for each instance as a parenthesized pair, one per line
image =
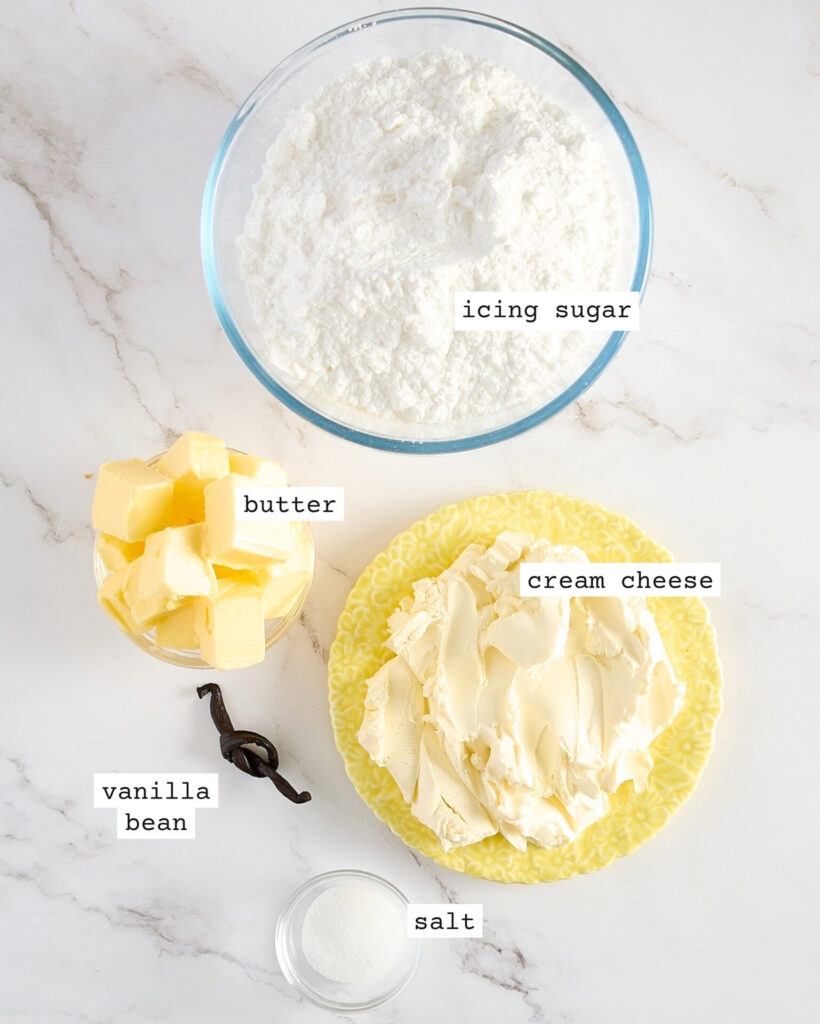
(428, 547)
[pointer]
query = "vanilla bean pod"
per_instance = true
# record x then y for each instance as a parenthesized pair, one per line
(237, 747)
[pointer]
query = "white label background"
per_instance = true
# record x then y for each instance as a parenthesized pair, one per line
(547, 318)
(304, 494)
(443, 910)
(614, 574)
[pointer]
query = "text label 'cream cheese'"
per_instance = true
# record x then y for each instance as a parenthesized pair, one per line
(620, 579)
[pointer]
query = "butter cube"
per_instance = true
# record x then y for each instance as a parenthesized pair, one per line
(178, 628)
(192, 462)
(144, 611)
(131, 500)
(230, 625)
(300, 556)
(264, 471)
(111, 600)
(174, 564)
(116, 554)
(236, 544)
(280, 589)
(282, 582)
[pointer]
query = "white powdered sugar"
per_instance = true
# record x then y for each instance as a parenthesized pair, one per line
(402, 182)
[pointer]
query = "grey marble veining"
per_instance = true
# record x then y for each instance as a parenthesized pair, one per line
(704, 429)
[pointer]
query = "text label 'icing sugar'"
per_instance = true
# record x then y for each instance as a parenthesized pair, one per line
(547, 311)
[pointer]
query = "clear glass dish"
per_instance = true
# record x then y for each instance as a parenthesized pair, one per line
(333, 995)
(275, 629)
(239, 160)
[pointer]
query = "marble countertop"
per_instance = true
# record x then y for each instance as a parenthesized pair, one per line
(704, 429)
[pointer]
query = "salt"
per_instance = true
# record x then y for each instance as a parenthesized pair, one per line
(352, 933)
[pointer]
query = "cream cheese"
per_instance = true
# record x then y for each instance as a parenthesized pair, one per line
(510, 714)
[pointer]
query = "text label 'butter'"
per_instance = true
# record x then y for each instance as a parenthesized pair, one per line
(313, 504)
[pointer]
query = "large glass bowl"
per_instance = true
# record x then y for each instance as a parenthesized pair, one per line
(240, 158)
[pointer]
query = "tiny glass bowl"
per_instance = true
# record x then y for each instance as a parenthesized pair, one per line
(335, 995)
(275, 628)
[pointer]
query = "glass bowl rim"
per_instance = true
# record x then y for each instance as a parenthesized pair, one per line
(283, 928)
(613, 343)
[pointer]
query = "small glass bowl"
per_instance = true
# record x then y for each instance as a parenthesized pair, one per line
(275, 629)
(334, 995)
